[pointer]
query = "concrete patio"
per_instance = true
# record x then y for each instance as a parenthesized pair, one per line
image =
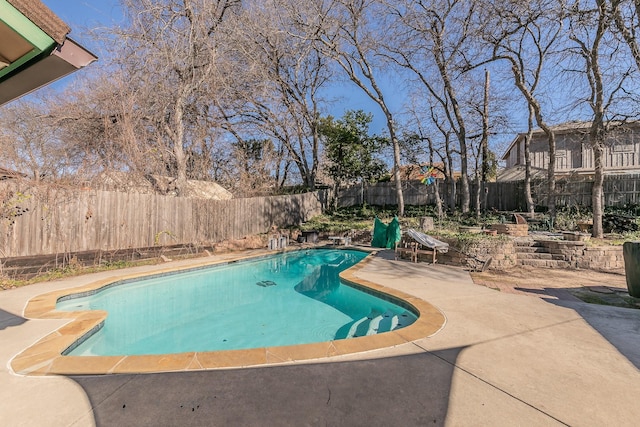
(500, 359)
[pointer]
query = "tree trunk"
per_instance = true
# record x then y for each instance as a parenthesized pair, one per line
(598, 185)
(435, 184)
(477, 195)
(181, 173)
(527, 164)
(460, 129)
(177, 134)
(451, 182)
(396, 160)
(484, 143)
(336, 194)
(551, 176)
(438, 199)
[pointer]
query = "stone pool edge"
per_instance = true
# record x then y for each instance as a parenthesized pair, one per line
(45, 358)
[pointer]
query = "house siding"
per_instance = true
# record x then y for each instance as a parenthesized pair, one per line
(573, 154)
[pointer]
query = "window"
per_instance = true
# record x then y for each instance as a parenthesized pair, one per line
(622, 148)
(622, 141)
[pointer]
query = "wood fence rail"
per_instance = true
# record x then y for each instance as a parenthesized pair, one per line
(64, 221)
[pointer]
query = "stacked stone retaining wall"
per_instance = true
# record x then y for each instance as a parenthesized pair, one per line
(516, 230)
(555, 254)
(502, 254)
(601, 258)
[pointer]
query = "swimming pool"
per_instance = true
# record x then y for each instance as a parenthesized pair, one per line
(285, 299)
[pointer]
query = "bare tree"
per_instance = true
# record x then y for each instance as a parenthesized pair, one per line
(606, 81)
(103, 124)
(447, 154)
(483, 149)
(350, 31)
(286, 74)
(524, 34)
(626, 14)
(254, 160)
(414, 149)
(31, 140)
(169, 55)
(433, 39)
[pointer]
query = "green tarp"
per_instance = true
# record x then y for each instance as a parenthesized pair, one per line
(379, 234)
(386, 236)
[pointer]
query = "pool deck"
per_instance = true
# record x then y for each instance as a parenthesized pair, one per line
(500, 359)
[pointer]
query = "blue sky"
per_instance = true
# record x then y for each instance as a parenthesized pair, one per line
(80, 14)
(86, 15)
(83, 15)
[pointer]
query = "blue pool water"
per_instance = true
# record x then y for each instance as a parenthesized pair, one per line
(286, 299)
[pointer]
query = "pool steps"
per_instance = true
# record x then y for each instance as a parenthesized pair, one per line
(376, 323)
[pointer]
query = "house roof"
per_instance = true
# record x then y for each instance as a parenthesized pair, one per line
(414, 172)
(43, 17)
(34, 48)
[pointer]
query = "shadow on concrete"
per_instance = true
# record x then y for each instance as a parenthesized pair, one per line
(387, 254)
(403, 390)
(7, 320)
(558, 293)
(405, 267)
(620, 326)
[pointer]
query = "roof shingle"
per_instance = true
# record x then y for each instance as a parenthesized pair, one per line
(43, 17)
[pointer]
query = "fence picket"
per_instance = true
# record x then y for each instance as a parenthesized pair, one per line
(619, 190)
(70, 221)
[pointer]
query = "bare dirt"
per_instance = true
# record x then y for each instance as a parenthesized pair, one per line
(597, 287)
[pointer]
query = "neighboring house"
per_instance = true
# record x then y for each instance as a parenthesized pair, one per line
(414, 172)
(574, 156)
(34, 48)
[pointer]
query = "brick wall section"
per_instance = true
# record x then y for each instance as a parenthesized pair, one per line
(602, 258)
(571, 251)
(502, 252)
(516, 230)
(579, 255)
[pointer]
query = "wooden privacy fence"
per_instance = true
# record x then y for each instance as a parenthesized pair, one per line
(619, 190)
(71, 221)
(384, 193)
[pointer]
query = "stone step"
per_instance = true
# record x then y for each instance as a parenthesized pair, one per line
(539, 244)
(526, 243)
(530, 250)
(544, 263)
(523, 242)
(541, 256)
